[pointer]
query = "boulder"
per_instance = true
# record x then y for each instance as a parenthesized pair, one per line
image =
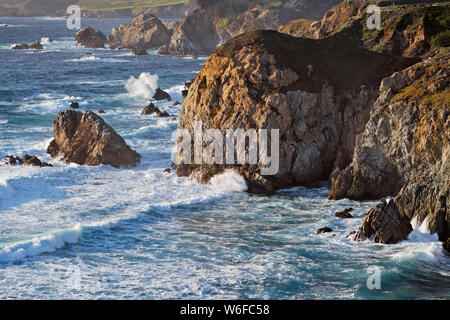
(10, 161)
(163, 114)
(101, 111)
(145, 29)
(86, 139)
(151, 108)
(91, 38)
(384, 224)
(161, 95)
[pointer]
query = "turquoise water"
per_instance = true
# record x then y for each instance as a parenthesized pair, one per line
(102, 233)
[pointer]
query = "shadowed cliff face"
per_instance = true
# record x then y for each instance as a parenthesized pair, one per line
(405, 152)
(318, 93)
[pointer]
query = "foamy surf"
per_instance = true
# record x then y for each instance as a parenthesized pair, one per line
(41, 244)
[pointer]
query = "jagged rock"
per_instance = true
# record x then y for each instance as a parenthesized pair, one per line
(167, 170)
(91, 38)
(163, 114)
(384, 224)
(101, 111)
(256, 81)
(145, 29)
(74, 105)
(86, 139)
(324, 230)
(344, 214)
(36, 45)
(163, 50)
(151, 108)
(161, 95)
(27, 160)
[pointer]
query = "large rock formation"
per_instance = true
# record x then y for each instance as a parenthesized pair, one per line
(145, 30)
(91, 38)
(405, 148)
(318, 93)
(215, 22)
(85, 139)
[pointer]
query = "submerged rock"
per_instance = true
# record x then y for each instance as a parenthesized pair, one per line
(86, 139)
(161, 95)
(91, 38)
(20, 46)
(36, 45)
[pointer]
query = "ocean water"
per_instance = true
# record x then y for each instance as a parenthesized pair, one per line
(74, 232)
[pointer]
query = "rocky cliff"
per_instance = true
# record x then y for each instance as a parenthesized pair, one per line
(318, 93)
(215, 22)
(405, 149)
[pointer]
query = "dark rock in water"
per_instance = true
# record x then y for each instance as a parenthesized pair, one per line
(27, 160)
(184, 94)
(351, 234)
(36, 45)
(167, 170)
(91, 38)
(20, 46)
(176, 103)
(138, 50)
(86, 139)
(161, 95)
(74, 105)
(151, 108)
(33, 161)
(101, 111)
(163, 114)
(324, 230)
(344, 214)
(385, 224)
(174, 119)
(10, 161)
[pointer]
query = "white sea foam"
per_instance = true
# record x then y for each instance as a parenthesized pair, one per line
(45, 40)
(144, 86)
(228, 181)
(40, 244)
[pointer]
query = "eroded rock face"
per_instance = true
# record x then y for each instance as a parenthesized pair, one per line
(405, 148)
(257, 81)
(91, 38)
(85, 139)
(384, 224)
(145, 30)
(406, 139)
